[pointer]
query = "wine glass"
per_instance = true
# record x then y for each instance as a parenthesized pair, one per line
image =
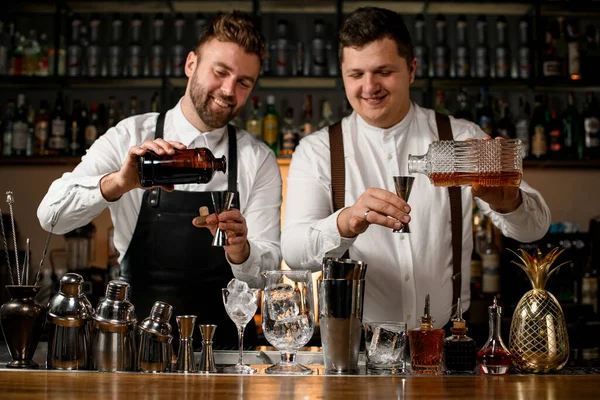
(288, 317)
(241, 305)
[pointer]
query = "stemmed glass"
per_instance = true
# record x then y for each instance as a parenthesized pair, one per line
(241, 305)
(222, 201)
(288, 317)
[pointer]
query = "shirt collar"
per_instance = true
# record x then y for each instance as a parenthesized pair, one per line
(188, 134)
(397, 129)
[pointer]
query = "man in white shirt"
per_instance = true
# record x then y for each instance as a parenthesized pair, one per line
(165, 252)
(378, 67)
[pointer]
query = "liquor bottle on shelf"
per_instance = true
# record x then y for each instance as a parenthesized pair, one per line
(94, 58)
(556, 148)
(155, 102)
(30, 130)
(306, 127)
(44, 66)
(281, 50)
(271, 124)
(318, 57)
(178, 51)
(91, 131)
(561, 45)
(482, 57)
(573, 53)
(57, 143)
(157, 49)
(254, 124)
(112, 117)
(199, 24)
(494, 357)
(42, 130)
(74, 50)
(539, 140)
(505, 127)
(502, 50)
(289, 135)
(463, 54)
(483, 110)
(426, 345)
(115, 49)
(7, 128)
(31, 55)
(57, 58)
(420, 48)
(20, 128)
(301, 60)
(76, 137)
(16, 55)
(463, 111)
(441, 52)
(522, 125)
(440, 103)
(590, 63)
(133, 106)
(551, 64)
(326, 115)
(490, 261)
(460, 350)
(135, 57)
(185, 166)
(4, 47)
(525, 56)
(574, 141)
(591, 127)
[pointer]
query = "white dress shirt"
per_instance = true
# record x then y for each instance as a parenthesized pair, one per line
(77, 198)
(402, 268)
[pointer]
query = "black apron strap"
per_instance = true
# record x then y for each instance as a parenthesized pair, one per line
(445, 133)
(338, 169)
(232, 159)
(159, 131)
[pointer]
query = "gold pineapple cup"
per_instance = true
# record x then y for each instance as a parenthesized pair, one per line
(538, 333)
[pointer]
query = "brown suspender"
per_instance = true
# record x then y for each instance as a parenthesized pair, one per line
(338, 184)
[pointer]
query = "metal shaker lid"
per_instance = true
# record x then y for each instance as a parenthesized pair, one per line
(158, 321)
(70, 306)
(71, 284)
(114, 309)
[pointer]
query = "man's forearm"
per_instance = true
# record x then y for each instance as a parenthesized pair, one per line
(238, 257)
(112, 187)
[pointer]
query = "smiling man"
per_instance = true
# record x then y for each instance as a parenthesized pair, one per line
(341, 196)
(166, 253)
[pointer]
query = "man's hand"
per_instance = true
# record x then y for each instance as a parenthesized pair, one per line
(116, 184)
(232, 222)
(374, 206)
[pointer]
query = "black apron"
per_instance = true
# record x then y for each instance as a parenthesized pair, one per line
(170, 260)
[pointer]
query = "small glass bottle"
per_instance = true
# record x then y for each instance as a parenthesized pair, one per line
(494, 358)
(426, 345)
(459, 349)
(185, 166)
(481, 162)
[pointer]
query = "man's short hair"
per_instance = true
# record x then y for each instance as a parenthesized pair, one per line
(369, 24)
(235, 27)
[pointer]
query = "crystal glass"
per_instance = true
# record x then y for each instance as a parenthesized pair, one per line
(384, 345)
(288, 317)
(241, 305)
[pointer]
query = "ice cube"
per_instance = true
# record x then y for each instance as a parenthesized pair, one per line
(241, 306)
(235, 285)
(292, 334)
(283, 302)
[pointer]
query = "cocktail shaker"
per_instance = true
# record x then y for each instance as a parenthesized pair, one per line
(69, 320)
(154, 353)
(113, 337)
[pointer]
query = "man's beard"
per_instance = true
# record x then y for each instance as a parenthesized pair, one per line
(201, 101)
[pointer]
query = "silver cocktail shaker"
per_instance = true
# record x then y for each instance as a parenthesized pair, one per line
(154, 333)
(113, 336)
(69, 319)
(341, 296)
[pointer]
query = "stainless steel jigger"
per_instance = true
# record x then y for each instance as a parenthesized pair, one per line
(222, 202)
(185, 355)
(207, 358)
(403, 187)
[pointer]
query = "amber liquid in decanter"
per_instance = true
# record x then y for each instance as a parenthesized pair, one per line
(426, 346)
(481, 179)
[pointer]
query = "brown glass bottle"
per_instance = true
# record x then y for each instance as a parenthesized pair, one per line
(185, 166)
(426, 345)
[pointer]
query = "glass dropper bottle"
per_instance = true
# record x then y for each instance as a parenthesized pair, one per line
(459, 349)
(494, 357)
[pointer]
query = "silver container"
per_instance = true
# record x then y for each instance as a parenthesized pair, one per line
(341, 295)
(113, 337)
(69, 321)
(154, 334)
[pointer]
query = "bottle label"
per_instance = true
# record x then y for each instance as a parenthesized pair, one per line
(57, 140)
(270, 129)
(157, 64)
(574, 63)
(282, 59)
(591, 126)
(319, 58)
(114, 61)
(93, 60)
(440, 63)
(19, 138)
(254, 127)
(41, 131)
(524, 63)
(91, 134)
(482, 66)
(462, 62)
(135, 61)
(568, 128)
(289, 142)
(178, 60)
(589, 291)
(502, 64)
(539, 147)
(491, 273)
(73, 57)
(555, 142)
(551, 68)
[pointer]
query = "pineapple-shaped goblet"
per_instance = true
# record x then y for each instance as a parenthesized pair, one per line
(538, 332)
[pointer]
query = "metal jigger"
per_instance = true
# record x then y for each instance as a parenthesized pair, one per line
(222, 202)
(207, 358)
(185, 355)
(403, 187)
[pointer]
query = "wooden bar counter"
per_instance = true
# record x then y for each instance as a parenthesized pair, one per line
(16, 385)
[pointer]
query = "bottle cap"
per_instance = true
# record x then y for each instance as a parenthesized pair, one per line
(495, 308)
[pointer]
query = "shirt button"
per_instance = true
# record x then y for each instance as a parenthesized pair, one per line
(386, 134)
(406, 277)
(408, 317)
(390, 155)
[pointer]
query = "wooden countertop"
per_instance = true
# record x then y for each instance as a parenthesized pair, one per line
(21, 385)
